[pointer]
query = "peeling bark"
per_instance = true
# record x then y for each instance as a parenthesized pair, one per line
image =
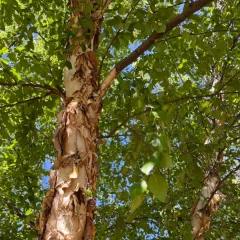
(206, 206)
(68, 210)
(210, 198)
(209, 201)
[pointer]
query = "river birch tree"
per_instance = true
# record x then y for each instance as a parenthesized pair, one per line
(161, 79)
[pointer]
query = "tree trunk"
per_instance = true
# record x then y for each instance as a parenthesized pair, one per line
(209, 201)
(207, 205)
(68, 210)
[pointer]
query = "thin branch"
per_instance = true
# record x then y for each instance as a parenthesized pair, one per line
(197, 97)
(114, 38)
(111, 134)
(25, 101)
(149, 42)
(20, 214)
(197, 34)
(50, 70)
(45, 86)
(220, 184)
(139, 137)
(43, 38)
(202, 120)
(115, 136)
(207, 95)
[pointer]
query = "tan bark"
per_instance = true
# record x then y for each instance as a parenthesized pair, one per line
(209, 200)
(206, 206)
(68, 210)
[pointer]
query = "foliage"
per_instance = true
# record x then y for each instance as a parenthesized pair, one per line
(155, 118)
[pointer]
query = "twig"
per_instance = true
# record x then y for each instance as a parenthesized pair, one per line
(43, 37)
(25, 101)
(220, 184)
(115, 136)
(20, 214)
(124, 122)
(45, 86)
(207, 95)
(114, 38)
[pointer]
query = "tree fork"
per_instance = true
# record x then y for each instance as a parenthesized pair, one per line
(68, 208)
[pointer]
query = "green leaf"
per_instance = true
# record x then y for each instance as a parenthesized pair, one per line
(131, 216)
(17, 75)
(135, 190)
(180, 179)
(29, 211)
(89, 193)
(144, 186)
(155, 114)
(180, 65)
(165, 142)
(216, 114)
(158, 186)
(122, 10)
(157, 143)
(137, 202)
(203, 105)
(186, 35)
(68, 65)
(147, 167)
(3, 61)
(166, 160)
(161, 28)
(4, 50)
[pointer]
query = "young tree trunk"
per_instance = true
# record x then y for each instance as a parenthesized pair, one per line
(207, 204)
(68, 210)
(209, 200)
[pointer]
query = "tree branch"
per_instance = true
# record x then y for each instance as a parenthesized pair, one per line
(207, 95)
(150, 41)
(21, 215)
(111, 134)
(24, 101)
(220, 184)
(115, 37)
(45, 86)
